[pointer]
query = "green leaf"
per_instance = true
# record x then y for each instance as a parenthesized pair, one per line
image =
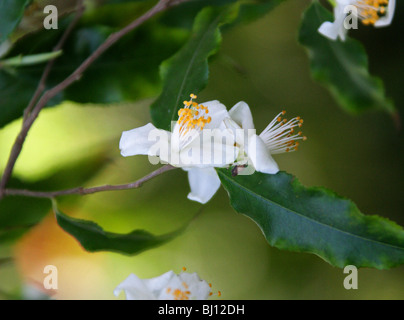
(93, 238)
(187, 71)
(18, 215)
(11, 12)
(183, 15)
(342, 67)
(251, 10)
(314, 220)
(15, 93)
(29, 59)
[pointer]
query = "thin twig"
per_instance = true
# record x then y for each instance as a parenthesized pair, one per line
(84, 191)
(42, 82)
(76, 75)
(39, 90)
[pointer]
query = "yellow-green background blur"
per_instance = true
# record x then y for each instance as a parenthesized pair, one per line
(261, 63)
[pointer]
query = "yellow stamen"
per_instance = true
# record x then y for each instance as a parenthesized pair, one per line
(370, 11)
(192, 116)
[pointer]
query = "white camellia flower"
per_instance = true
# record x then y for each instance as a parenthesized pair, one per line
(371, 12)
(168, 286)
(195, 144)
(278, 137)
(234, 143)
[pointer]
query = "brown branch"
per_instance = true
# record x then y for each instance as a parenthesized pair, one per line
(27, 124)
(17, 147)
(42, 82)
(84, 191)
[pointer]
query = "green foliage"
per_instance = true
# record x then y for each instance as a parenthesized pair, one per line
(342, 67)
(187, 71)
(93, 238)
(128, 71)
(11, 12)
(183, 16)
(314, 220)
(17, 217)
(251, 10)
(29, 60)
(291, 216)
(15, 93)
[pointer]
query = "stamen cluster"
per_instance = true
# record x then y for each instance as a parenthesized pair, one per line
(280, 135)
(192, 116)
(370, 11)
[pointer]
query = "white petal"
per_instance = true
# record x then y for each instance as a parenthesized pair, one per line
(199, 289)
(241, 114)
(188, 284)
(135, 289)
(217, 112)
(137, 141)
(331, 30)
(204, 183)
(386, 20)
(212, 148)
(171, 286)
(260, 156)
(155, 285)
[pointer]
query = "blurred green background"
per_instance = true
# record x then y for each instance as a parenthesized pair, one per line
(360, 158)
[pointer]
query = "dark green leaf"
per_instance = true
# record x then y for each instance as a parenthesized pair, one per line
(315, 220)
(251, 10)
(15, 93)
(11, 12)
(183, 15)
(18, 215)
(93, 238)
(187, 71)
(342, 67)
